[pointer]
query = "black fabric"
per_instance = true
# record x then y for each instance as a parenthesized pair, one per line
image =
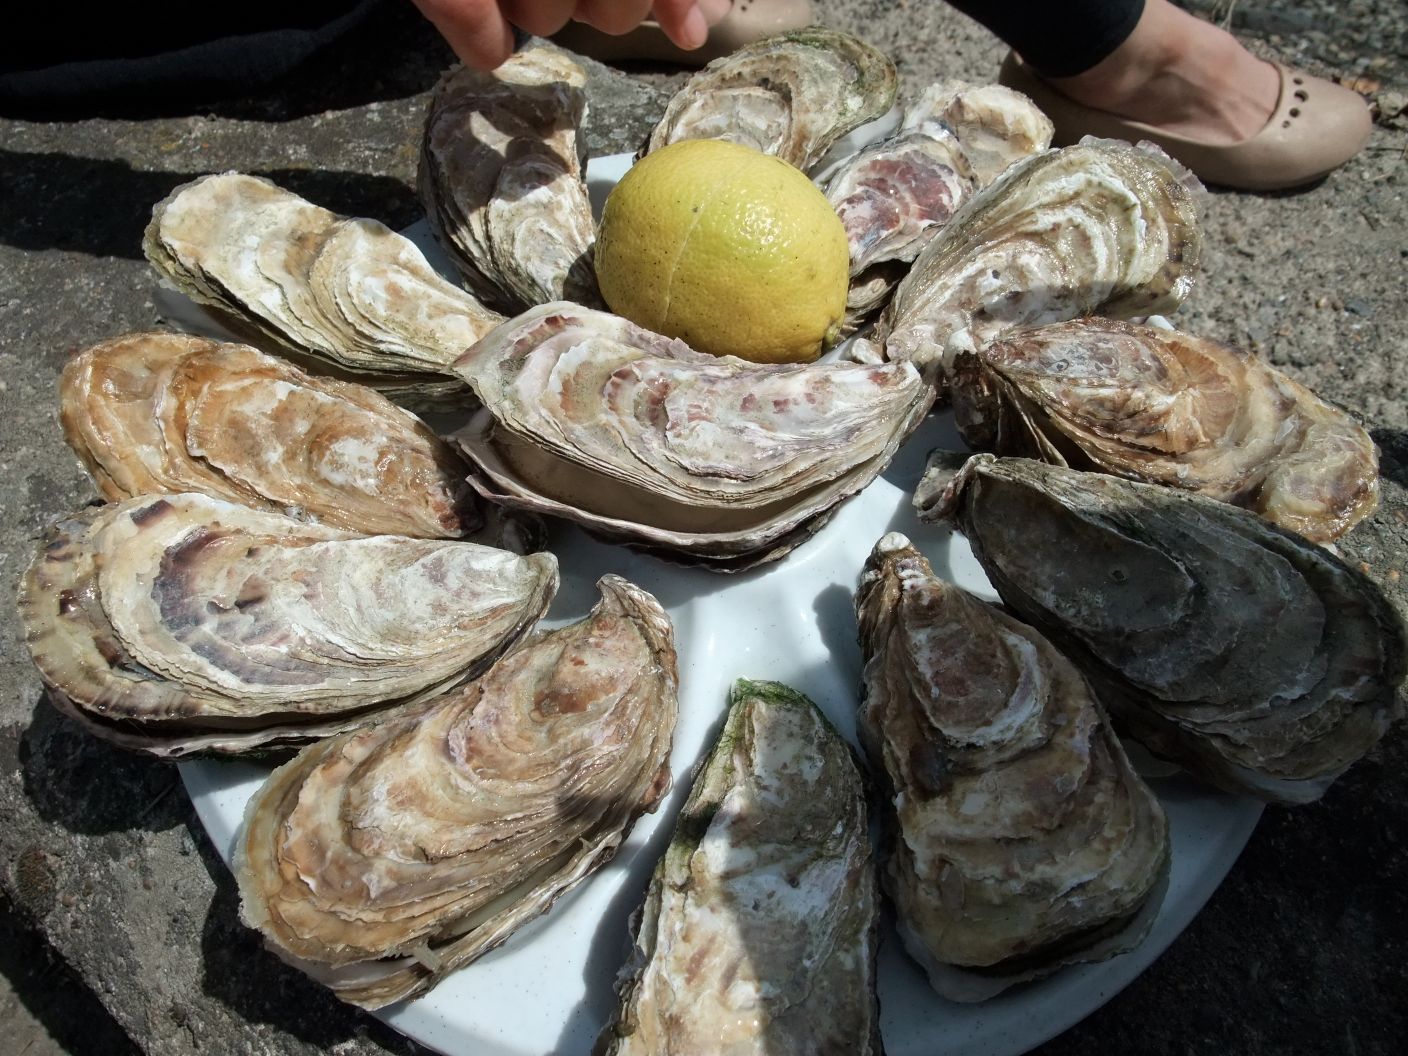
(1058, 39)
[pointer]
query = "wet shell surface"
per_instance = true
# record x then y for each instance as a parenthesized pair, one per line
(350, 298)
(760, 926)
(183, 623)
(642, 440)
(1019, 838)
(792, 95)
(1249, 654)
(502, 180)
(384, 859)
(1169, 408)
(1098, 228)
(157, 413)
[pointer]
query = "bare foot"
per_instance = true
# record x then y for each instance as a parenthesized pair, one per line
(1182, 75)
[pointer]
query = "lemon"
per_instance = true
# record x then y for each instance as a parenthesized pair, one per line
(731, 250)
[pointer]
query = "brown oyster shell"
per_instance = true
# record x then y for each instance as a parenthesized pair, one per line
(502, 180)
(1252, 656)
(1169, 408)
(183, 623)
(1021, 839)
(159, 412)
(350, 298)
(644, 441)
(760, 927)
(382, 860)
(792, 95)
(995, 126)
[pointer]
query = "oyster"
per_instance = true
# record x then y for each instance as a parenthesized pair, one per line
(1021, 839)
(1169, 408)
(1249, 654)
(891, 196)
(759, 931)
(344, 297)
(1101, 227)
(994, 125)
(182, 623)
(154, 413)
(645, 441)
(384, 859)
(502, 180)
(792, 95)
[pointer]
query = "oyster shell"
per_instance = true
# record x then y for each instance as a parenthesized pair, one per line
(644, 441)
(891, 196)
(1169, 408)
(1249, 654)
(1101, 227)
(1021, 839)
(792, 95)
(502, 179)
(759, 930)
(995, 126)
(159, 412)
(183, 623)
(350, 298)
(384, 859)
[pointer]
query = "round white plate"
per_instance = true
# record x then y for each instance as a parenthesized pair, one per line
(549, 988)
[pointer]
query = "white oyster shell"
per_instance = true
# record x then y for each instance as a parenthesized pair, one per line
(1098, 228)
(183, 623)
(345, 297)
(645, 441)
(792, 95)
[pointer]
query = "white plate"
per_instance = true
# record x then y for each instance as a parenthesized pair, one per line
(549, 988)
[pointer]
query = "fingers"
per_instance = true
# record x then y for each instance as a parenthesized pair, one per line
(684, 22)
(475, 29)
(542, 18)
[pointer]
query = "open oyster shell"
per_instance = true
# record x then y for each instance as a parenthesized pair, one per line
(644, 441)
(792, 95)
(894, 195)
(502, 179)
(1169, 408)
(384, 859)
(891, 197)
(759, 930)
(1098, 228)
(183, 623)
(350, 298)
(160, 412)
(1249, 654)
(995, 126)
(1020, 838)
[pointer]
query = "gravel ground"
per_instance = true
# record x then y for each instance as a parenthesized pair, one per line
(118, 929)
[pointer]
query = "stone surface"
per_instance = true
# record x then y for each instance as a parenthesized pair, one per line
(103, 866)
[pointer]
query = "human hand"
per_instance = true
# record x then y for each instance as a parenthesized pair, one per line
(481, 33)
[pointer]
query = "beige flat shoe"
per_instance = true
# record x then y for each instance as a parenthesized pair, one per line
(1316, 127)
(746, 21)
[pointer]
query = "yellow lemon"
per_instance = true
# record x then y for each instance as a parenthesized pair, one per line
(732, 250)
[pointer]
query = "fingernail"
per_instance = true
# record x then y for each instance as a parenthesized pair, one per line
(695, 29)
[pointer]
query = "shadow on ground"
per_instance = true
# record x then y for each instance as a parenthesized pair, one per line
(392, 53)
(53, 993)
(101, 207)
(259, 988)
